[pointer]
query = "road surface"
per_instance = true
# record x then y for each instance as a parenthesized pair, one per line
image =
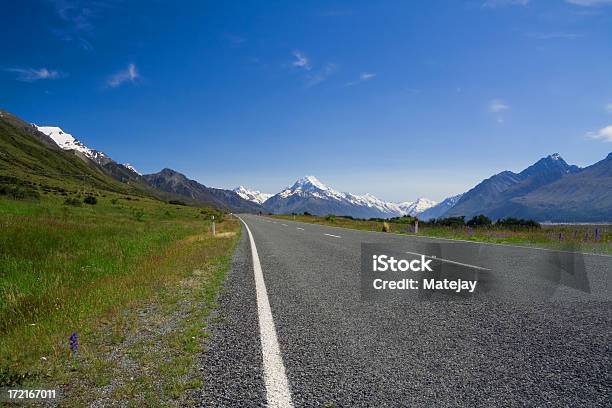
(337, 350)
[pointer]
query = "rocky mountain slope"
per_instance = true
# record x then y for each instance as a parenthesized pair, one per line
(171, 181)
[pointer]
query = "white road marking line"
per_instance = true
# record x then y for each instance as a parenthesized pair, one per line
(331, 235)
(277, 385)
(300, 228)
(284, 225)
(449, 261)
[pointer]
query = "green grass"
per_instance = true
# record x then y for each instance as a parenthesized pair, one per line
(65, 269)
(576, 237)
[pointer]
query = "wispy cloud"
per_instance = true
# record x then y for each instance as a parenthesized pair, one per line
(604, 134)
(301, 60)
(77, 17)
(129, 74)
(503, 3)
(589, 3)
(364, 76)
(555, 36)
(33, 74)
(609, 108)
(321, 75)
(497, 106)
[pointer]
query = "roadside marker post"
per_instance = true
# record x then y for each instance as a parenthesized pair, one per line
(416, 226)
(213, 225)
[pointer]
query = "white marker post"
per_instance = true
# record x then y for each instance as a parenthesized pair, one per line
(213, 225)
(416, 226)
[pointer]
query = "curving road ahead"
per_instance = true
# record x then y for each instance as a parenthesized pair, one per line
(541, 343)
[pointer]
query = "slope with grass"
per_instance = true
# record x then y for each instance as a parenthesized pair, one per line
(129, 277)
(82, 269)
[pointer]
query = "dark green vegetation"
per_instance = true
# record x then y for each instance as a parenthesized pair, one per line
(82, 252)
(586, 238)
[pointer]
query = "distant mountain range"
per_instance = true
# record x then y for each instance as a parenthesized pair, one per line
(440, 209)
(166, 181)
(174, 182)
(308, 194)
(252, 195)
(548, 190)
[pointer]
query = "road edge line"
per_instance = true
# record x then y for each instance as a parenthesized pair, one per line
(277, 385)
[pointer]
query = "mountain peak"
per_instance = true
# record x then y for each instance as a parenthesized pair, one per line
(252, 195)
(130, 167)
(309, 181)
(555, 156)
(68, 142)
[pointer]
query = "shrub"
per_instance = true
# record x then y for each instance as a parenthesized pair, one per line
(479, 221)
(176, 202)
(19, 192)
(330, 218)
(91, 200)
(450, 221)
(307, 213)
(515, 223)
(73, 201)
(406, 219)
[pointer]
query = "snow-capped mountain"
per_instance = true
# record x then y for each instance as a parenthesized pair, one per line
(68, 142)
(130, 167)
(252, 195)
(308, 194)
(441, 208)
(413, 208)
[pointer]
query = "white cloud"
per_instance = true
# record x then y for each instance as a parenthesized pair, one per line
(604, 134)
(609, 108)
(589, 3)
(502, 3)
(32, 74)
(130, 74)
(497, 106)
(364, 76)
(301, 60)
(320, 76)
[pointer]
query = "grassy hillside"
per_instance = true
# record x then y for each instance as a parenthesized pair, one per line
(92, 271)
(66, 269)
(24, 159)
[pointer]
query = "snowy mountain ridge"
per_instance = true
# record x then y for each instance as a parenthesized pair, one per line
(310, 193)
(252, 195)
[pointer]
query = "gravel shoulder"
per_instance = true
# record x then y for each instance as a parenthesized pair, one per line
(232, 362)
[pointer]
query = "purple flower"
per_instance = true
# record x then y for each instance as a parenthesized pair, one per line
(73, 341)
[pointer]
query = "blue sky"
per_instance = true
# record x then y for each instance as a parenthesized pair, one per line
(399, 99)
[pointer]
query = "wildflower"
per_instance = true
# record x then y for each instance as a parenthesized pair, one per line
(74, 342)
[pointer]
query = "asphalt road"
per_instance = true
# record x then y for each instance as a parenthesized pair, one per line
(537, 341)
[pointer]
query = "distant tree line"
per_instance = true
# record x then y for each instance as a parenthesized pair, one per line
(484, 221)
(477, 221)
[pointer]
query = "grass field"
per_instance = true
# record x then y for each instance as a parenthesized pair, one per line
(583, 238)
(88, 270)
